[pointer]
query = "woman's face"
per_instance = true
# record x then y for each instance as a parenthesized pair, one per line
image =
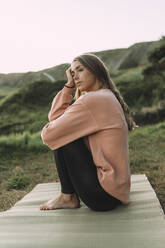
(83, 78)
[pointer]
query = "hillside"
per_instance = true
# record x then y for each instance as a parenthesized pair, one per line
(126, 58)
(115, 59)
(16, 80)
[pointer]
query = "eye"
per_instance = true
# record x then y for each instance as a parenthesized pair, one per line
(77, 70)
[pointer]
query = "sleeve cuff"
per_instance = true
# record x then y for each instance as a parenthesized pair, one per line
(67, 90)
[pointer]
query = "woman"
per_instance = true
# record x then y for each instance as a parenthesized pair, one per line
(89, 139)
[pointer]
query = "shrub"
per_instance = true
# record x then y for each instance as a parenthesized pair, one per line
(39, 93)
(18, 179)
(156, 54)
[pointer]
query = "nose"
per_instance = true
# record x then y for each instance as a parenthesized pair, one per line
(76, 76)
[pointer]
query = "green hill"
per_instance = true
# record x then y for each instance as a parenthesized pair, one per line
(16, 80)
(115, 59)
(125, 58)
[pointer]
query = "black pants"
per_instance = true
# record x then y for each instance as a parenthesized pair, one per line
(78, 174)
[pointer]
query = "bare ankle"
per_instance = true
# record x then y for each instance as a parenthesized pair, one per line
(67, 196)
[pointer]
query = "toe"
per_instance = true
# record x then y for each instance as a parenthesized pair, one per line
(42, 207)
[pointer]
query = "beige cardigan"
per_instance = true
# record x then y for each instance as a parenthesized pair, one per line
(98, 117)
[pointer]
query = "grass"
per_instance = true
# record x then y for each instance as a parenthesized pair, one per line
(147, 145)
(22, 141)
(4, 91)
(38, 167)
(28, 162)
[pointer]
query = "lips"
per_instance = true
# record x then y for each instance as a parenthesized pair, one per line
(78, 83)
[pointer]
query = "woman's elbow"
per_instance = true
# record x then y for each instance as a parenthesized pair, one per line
(45, 136)
(50, 116)
(48, 136)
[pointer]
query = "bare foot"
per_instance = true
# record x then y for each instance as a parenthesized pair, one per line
(61, 202)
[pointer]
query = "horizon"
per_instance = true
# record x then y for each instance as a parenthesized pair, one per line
(56, 31)
(70, 61)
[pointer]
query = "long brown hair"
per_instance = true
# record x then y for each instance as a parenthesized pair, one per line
(96, 66)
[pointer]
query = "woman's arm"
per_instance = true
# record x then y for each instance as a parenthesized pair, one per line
(60, 103)
(77, 121)
(62, 100)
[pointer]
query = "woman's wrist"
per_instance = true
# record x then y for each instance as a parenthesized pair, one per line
(70, 85)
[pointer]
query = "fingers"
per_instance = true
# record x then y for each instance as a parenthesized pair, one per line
(68, 71)
(69, 75)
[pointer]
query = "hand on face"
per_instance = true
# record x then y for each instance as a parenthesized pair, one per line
(69, 76)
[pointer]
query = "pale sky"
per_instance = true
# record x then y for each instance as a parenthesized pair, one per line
(39, 34)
